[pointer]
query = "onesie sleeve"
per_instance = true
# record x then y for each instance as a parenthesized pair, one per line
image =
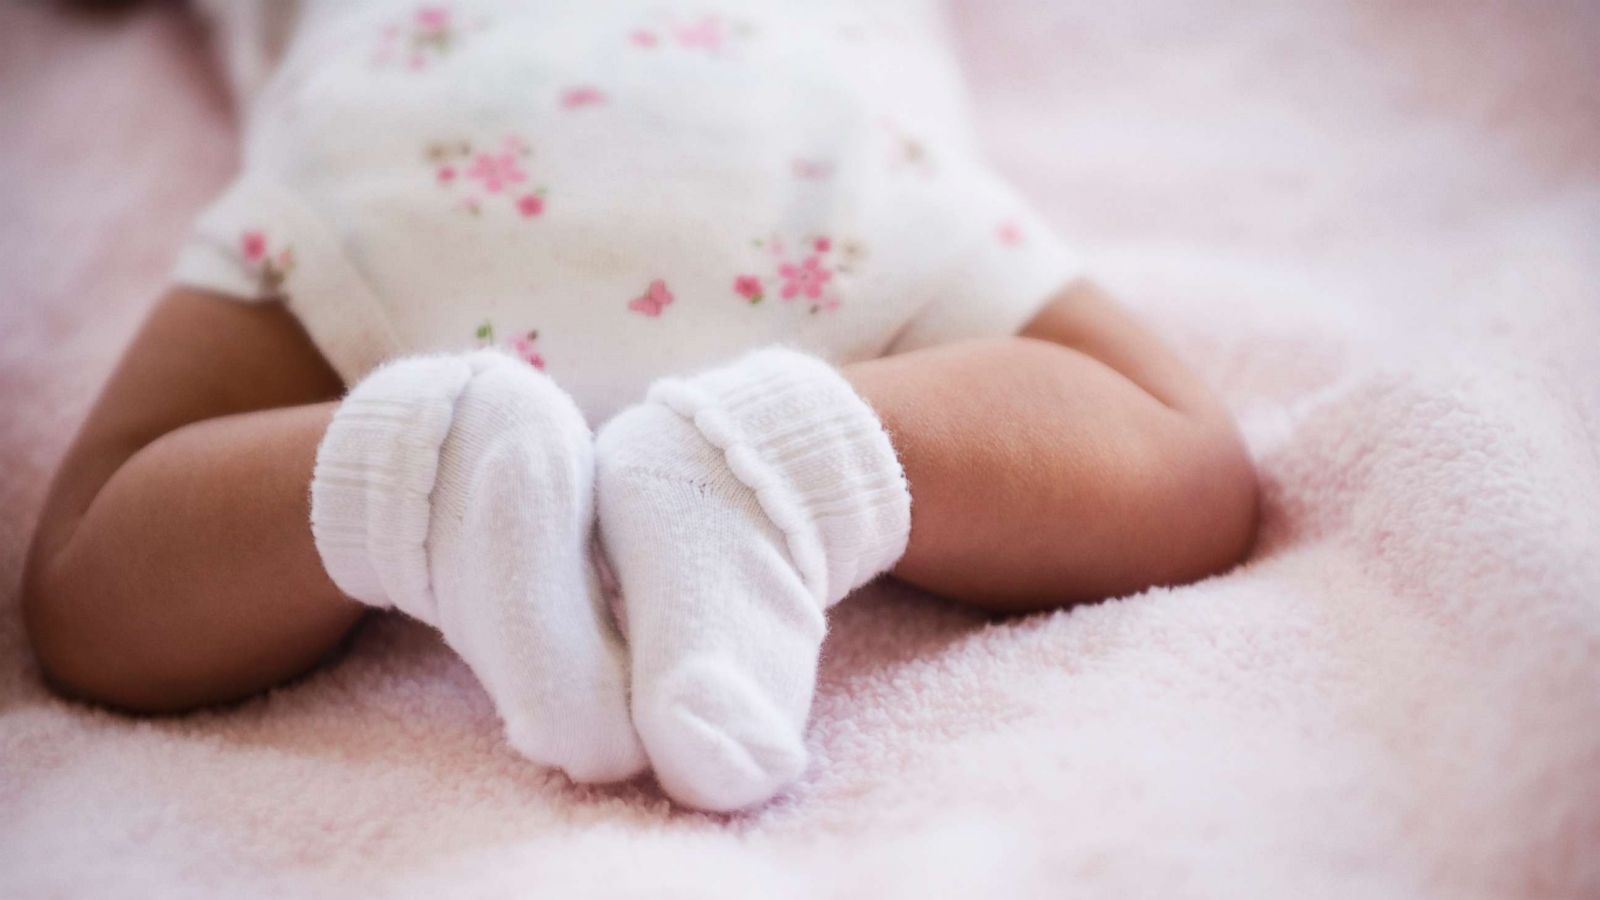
(261, 242)
(999, 262)
(234, 250)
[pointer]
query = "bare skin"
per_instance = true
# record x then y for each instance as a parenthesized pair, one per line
(1077, 461)
(173, 566)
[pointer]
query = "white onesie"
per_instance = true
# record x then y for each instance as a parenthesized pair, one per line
(614, 189)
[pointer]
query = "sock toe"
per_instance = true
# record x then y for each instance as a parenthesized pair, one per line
(587, 759)
(715, 740)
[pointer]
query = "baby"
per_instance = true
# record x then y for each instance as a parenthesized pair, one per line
(754, 247)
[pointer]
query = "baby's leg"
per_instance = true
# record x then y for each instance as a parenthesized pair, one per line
(172, 565)
(739, 503)
(1075, 462)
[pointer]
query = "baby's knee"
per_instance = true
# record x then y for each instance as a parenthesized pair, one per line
(1225, 487)
(79, 656)
(65, 659)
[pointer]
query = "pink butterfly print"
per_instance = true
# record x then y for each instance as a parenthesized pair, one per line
(655, 299)
(643, 38)
(579, 97)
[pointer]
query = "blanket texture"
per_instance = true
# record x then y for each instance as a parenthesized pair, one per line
(1375, 226)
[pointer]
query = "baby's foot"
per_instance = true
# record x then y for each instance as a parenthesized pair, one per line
(460, 489)
(735, 507)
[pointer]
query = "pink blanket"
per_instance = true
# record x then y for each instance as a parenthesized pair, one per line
(1374, 225)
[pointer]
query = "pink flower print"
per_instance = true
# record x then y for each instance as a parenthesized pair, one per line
(709, 34)
(1010, 233)
(808, 278)
(749, 287)
(815, 277)
(773, 245)
(655, 299)
(496, 170)
(523, 345)
(433, 19)
(253, 244)
(579, 97)
(269, 269)
(813, 169)
(428, 34)
(706, 34)
(473, 176)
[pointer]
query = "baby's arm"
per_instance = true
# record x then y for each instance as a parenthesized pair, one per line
(1077, 461)
(172, 566)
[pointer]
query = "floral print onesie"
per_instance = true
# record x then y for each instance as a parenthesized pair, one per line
(614, 189)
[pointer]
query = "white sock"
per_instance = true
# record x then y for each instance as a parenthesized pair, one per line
(459, 489)
(735, 507)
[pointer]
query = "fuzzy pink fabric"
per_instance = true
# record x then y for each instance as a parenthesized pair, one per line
(1374, 225)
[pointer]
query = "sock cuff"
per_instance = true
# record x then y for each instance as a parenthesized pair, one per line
(372, 486)
(795, 431)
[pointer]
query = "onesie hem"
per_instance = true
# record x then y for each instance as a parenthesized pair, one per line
(261, 242)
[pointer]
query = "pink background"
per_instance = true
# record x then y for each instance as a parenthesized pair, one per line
(1374, 225)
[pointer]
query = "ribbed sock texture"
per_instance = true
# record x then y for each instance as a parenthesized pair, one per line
(735, 507)
(459, 489)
